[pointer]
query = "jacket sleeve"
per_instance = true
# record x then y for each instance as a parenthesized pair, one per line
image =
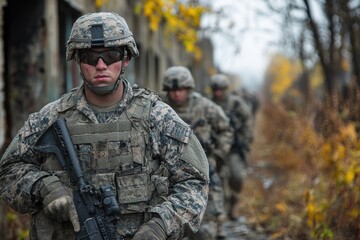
(185, 160)
(20, 168)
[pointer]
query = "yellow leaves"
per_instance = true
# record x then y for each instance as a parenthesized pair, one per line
(342, 156)
(152, 11)
(339, 152)
(100, 3)
(314, 215)
(345, 65)
(337, 191)
(330, 167)
(350, 172)
(354, 213)
(179, 19)
(316, 77)
(283, 72)
(281, 207)
(330, 170)
(315, 212)
(11, 216)
(16, 224)
(192, 14)
(310, 209)
(326, 149)
(154, 23)
(348, 132)
(24, 234)
(349, 176)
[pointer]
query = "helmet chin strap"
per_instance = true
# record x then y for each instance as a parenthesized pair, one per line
(103, 90)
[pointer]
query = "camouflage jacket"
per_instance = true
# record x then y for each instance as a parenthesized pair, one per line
(208, 121)
(181, 210)
(241, 118)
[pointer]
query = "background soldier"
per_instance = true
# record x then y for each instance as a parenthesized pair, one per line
(250, 97)
(240, 116)
(123, 135)
(212, 128)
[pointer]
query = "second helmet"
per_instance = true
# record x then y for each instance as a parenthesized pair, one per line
(176, 77)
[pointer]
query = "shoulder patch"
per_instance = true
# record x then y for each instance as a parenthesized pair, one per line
(179, 132)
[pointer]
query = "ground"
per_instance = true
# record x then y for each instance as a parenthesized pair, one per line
(260, 177)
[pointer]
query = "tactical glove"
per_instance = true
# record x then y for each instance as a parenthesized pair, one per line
(58, 202)
(151, 230)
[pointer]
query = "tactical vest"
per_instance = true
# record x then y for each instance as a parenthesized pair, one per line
(119, 153)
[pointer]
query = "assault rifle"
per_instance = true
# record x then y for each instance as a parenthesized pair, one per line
(97, 209)
(240, 147)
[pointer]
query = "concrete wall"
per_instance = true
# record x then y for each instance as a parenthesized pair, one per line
(2, 95)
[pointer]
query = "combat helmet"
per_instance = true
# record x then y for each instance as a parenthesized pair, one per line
(177, 77)
(219, 81)
(103, 29)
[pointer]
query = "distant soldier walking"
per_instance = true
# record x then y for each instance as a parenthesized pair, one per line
(241, 120)
(212, 128)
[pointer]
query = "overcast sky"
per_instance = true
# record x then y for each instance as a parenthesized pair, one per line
(253, 35)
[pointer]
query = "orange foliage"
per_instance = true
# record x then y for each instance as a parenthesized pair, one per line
(320, 175)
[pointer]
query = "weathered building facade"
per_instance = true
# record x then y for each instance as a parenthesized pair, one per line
(33, 69)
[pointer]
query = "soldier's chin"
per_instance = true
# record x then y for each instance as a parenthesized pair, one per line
(178, 103)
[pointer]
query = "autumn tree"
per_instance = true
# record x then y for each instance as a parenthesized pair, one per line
(281, 76)
(324, 32)
(179, 18)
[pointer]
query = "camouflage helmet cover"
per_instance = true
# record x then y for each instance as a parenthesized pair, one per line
(103, 29)
(177, 77)
(219, 81)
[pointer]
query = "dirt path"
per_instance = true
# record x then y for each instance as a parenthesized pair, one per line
(261, 176)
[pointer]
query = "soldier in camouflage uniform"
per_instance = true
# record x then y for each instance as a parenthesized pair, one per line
(212, 128)
(124, 136)
(239, 113)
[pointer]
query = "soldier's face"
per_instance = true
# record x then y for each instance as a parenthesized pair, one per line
(178, 97)
(97, 72)
(218, 93)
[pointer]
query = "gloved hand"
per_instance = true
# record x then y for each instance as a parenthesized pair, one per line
(151, 230)
(58, 202)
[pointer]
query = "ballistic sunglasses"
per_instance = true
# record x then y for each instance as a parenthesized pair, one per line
(109, 57)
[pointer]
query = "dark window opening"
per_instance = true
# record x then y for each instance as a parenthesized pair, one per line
(70, 73)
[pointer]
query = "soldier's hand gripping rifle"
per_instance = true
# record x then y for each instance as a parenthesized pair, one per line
(97, 209)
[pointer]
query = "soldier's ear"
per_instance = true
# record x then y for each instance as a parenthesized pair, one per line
(125, 63)
(127, 56)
